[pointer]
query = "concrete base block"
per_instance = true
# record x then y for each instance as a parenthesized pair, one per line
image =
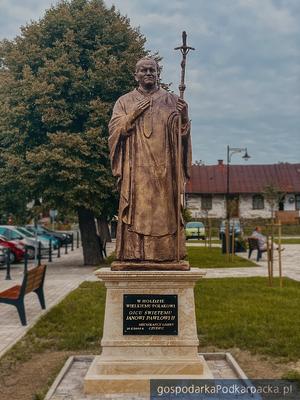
(69, 384)
(105, 378)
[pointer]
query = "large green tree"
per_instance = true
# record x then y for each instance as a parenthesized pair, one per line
(58, 82)
(13, 192)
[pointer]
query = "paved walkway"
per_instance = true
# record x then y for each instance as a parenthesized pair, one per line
(290, 265)
(65, 274)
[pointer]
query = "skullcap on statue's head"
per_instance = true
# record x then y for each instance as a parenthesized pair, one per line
(147, 58)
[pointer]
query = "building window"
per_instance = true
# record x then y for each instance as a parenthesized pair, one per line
(206, 202)
(258, 202)
(297, 201)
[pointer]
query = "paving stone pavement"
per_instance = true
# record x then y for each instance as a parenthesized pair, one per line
(63, 275)
(290, 265)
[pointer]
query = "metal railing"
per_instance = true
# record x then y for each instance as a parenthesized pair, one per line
(50, 254)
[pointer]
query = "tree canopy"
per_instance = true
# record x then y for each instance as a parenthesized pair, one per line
(59, 80)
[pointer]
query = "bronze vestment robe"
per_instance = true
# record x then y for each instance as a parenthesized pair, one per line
(145, 164)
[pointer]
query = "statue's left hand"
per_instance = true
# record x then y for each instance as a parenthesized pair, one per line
(182, 107)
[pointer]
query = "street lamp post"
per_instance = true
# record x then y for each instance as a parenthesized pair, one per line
(230, 152)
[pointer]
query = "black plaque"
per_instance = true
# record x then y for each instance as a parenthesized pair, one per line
(150, 314)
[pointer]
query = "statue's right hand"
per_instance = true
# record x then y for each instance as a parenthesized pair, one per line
(141, 107)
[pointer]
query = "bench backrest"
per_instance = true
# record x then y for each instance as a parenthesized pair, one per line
(253, 243)
(33, 279)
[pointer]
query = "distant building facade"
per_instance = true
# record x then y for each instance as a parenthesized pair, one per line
(207, 190)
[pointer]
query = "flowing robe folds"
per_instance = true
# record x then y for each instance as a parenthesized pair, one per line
(145, 164)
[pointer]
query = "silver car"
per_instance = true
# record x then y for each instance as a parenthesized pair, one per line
(19, 234)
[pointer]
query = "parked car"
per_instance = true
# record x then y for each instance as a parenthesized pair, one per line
(17, 250)
(40, 238)
(46, 236)
(63, 237)
(234, 225)
(195, 230)
(13, 233)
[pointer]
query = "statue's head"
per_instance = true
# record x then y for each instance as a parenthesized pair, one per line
(147, 73)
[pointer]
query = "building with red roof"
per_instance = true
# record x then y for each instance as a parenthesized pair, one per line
(207, 190)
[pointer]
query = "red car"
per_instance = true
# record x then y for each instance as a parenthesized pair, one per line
(17, 250)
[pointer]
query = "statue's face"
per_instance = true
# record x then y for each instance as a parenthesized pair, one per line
(146, 74)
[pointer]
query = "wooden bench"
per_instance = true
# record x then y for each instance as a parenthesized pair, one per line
(33, 281)
(253, 245)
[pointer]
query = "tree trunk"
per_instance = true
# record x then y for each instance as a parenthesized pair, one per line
(92, 254)
(103, 229)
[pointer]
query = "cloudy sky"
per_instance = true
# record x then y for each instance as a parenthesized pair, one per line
(243, 80)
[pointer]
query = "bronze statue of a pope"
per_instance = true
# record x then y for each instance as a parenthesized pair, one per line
(143, 141)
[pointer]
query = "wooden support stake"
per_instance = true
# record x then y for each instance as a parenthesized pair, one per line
(227, 233)
(269, 260)
(272, 251)
(209, 232)
(232, 244)
(279, 254)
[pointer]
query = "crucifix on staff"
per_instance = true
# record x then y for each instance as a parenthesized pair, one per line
(184, 51)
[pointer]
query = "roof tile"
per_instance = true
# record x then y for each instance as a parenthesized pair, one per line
(244, 178)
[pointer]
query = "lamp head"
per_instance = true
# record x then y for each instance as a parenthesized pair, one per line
(246, 155)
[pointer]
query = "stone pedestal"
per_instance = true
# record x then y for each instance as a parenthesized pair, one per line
(150, 266)
(128, 362)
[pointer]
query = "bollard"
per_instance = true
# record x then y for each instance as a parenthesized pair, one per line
(58, 250)
(7, 259)
(50, 251)
(26, 259)
(77, 239)
(72, 243)
(39, 255)
(66, 248)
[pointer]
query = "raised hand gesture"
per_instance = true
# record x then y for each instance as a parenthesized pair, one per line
(141, 107)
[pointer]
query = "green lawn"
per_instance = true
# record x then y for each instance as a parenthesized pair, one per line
(213, 241)
(217, 241)
(231, 312)
(234, 312)
(205, 257)
(289, 241)
(246, 313)
(74, 324)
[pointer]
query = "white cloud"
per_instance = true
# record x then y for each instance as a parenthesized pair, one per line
(14, 13)
(243, 80)
(271, 16)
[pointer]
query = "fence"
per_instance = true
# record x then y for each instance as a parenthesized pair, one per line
(42, 253)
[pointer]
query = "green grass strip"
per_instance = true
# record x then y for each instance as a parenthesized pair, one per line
(205, 257)
(289, 241)
(76, 323)
(248, 314)
(231, 312)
